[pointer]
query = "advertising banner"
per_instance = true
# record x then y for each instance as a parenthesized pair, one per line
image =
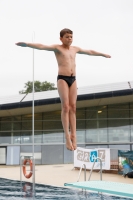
(87, 157)
(125, 161)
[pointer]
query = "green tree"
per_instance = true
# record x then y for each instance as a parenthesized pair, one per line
(38, 87)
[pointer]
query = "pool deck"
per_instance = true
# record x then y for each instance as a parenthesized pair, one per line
(57, 175)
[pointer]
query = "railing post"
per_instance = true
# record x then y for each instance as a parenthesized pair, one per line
(84, 172)
(93, 167)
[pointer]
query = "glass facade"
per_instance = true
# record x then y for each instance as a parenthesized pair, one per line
(103, 126)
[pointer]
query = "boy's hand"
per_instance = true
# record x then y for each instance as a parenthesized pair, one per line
(22, 44)
(107, 56)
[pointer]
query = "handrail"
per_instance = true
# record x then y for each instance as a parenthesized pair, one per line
(93, 167)
(84, 172)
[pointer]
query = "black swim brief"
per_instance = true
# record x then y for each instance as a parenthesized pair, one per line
(68, 79)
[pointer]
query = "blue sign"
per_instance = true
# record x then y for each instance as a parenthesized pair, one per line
(93, 155)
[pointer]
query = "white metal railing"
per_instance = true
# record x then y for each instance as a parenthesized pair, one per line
(91, 170)
(93, 167)
(84, 172)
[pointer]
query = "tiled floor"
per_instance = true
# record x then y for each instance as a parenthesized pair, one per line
(57, 175)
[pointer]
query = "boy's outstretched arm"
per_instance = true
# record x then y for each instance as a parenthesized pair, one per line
(92, 53)
(37, 46)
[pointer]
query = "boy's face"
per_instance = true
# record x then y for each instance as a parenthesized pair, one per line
(67, 39)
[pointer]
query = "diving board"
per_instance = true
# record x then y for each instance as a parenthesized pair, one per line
(115, 188)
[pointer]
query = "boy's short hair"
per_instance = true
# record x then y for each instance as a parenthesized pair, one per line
(64, 31)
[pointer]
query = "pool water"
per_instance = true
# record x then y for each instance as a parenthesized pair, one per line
(16, 190)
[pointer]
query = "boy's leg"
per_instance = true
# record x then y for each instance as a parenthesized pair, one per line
(72, 112)
(63, 91)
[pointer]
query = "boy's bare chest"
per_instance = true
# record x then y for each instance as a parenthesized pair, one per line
(67, 54)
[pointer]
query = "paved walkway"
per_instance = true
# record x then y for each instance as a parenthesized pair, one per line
(57, 175)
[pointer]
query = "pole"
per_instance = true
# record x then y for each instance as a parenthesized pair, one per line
(33, 175)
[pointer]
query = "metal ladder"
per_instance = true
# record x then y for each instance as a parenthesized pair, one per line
(91, 170)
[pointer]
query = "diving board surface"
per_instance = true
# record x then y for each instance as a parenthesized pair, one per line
(116, 188)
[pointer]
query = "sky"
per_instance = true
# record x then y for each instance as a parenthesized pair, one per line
(102, 25)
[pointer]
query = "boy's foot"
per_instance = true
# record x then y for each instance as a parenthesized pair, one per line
(74, 141)
(69, 144)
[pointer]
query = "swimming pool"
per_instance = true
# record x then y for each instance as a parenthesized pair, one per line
(16, 190)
